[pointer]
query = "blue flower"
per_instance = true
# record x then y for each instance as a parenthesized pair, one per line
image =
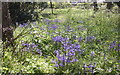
(118, 49)
(112, 45)
(34, 23)
(42, 29)
(38, 67)
(68, 60)
(80, 21)
(38, 51)
(57, 53)
(80, 26)
(71, 52)
(91, 71)
(23, 25)
(56, 20)
(68, 29)
(54, 61)
(74, 60)
(80, 39)
(53, 27)
(65, 39)
(46, 20)
(118, 61)
(62, 58)
(90, 66)
(33, 45)
(61, 64)
(79, 50)
(77, 46)
(85, 66)
(117, 69)
(66, 48)
(27, 48)
(58, 39)
(25, 44)
(56, 65)
(92, 53)
(89, 38)
(118, 45)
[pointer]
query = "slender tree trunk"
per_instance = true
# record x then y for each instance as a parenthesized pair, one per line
(51, 5)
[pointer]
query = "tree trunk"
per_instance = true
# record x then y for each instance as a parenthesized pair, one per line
(118, 4)
(1, 22)
(109, 6)
(7, 32)
(95, 6)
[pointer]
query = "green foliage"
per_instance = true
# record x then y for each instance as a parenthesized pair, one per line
(25, 11)
(30, 64)
(71, 23)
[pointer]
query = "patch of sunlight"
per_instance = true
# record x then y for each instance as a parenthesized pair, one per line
(62, 17)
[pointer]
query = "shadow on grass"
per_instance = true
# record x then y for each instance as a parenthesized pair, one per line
(48, 15)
